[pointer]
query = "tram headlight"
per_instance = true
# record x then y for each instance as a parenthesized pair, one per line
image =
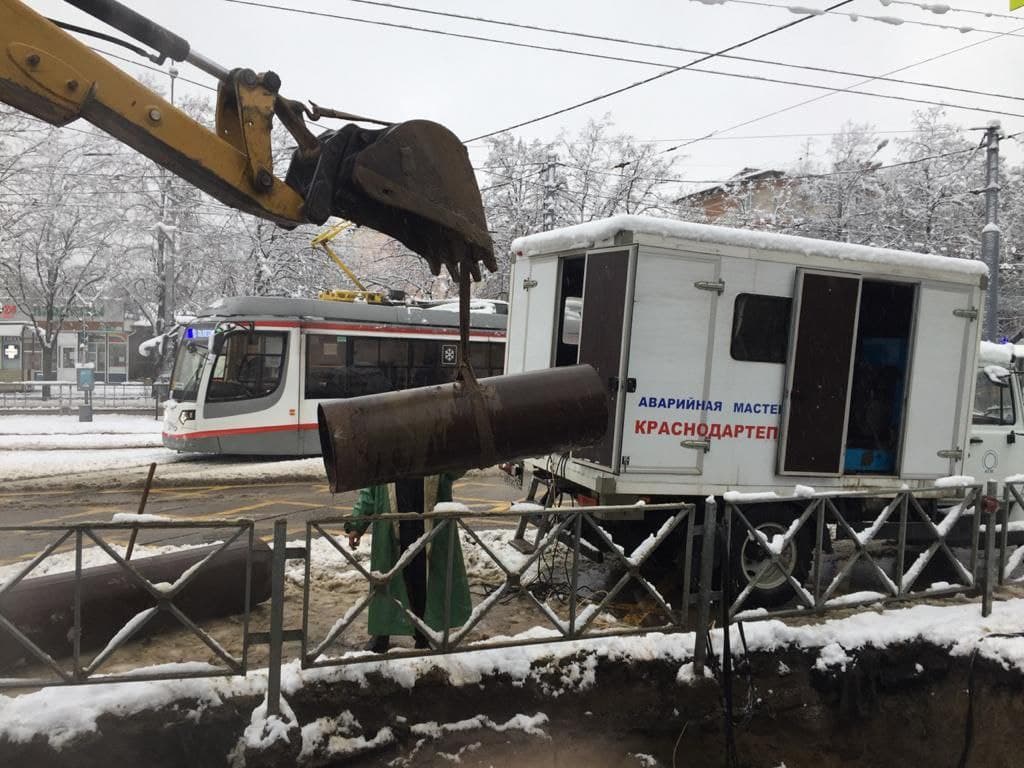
(184, 416)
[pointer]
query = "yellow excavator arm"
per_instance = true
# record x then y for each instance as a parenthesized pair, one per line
(411, 180)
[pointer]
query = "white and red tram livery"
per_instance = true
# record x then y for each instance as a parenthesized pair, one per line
(250, 372)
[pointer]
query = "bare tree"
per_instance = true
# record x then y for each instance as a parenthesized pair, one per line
(56, 245)
(598, 173)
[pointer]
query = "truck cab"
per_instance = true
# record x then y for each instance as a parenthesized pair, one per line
(995, 448)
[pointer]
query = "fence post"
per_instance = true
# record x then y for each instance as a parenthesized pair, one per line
(991, 489)
(707, 558)
(276, 619)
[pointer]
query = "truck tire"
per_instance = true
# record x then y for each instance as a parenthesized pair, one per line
(773, 589)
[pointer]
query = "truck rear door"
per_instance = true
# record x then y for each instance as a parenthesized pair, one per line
(665, 425)
(939, 382)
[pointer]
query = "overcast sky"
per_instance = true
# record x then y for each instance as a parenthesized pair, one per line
(476, 87)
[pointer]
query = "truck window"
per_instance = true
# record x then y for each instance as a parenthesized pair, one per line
(760, 328)
(570, 311)
(993, 400)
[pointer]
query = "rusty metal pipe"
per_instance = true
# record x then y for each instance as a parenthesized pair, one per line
(415, 432)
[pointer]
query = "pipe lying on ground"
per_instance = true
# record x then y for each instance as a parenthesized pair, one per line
(43, 608)
(417, 432)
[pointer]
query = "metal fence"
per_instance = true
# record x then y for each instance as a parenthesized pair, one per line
(698, 544)
(820, 518)
(75, 670)
(64, 396)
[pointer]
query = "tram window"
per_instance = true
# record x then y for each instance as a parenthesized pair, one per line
(425, 353)
(365, 352)
(325, 366)
(478, 357)
(250, 366)
(394, 352)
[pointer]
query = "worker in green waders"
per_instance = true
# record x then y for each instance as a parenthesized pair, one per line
(421, 584)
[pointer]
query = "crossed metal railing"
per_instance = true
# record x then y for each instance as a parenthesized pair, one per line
(162, 595)
(1012, 499)
(682, 531)
(902, 509)
(569, 528)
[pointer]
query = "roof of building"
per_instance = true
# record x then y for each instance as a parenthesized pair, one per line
(744, 176)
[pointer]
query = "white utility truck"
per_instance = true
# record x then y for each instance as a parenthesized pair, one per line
(742, 361)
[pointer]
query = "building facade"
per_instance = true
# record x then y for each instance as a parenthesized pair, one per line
(107, 336)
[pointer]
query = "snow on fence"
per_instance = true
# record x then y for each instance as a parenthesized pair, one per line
(551, 579)
(925, 524)
(64, 396)
(55, 622)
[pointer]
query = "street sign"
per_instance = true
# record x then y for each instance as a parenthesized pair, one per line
(86, 379)
(11, 351)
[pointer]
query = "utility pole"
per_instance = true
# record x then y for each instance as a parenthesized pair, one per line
(549, 191)
(165, 254)
(990, 235)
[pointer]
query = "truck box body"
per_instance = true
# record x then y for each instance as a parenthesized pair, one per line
(749, 361)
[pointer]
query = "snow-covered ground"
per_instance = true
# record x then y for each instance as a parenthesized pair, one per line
(116, 449)
(59, 714)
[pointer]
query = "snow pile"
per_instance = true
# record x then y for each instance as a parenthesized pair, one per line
(954, 481)
(832, 655)
(263, 731)
(996, 374)
(530, 724)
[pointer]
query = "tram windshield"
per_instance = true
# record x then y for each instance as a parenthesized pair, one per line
(193, 350)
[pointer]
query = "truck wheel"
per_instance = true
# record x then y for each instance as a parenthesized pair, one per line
(748, 557)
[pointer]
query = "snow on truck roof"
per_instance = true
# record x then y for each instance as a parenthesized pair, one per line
(1000, 354)
(316, 309)
(588, 234)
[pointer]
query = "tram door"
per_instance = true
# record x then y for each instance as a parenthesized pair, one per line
(251, 401)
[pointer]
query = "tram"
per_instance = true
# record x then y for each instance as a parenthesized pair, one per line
(250, 372)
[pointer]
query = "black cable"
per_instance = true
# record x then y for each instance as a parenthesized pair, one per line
(965, 753)
(658, 46)
(104, 36)
(805, 102)
(726, 578)
(591, 100)
(645, 81)
(154, 69)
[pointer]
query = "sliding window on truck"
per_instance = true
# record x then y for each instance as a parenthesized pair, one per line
(848, 376)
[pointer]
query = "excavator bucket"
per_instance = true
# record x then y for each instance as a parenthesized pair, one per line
(412, 181)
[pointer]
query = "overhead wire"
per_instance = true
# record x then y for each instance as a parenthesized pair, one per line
(799, 104)
(644, 44)
(894, 21)
(943, 8)
(600, 97)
